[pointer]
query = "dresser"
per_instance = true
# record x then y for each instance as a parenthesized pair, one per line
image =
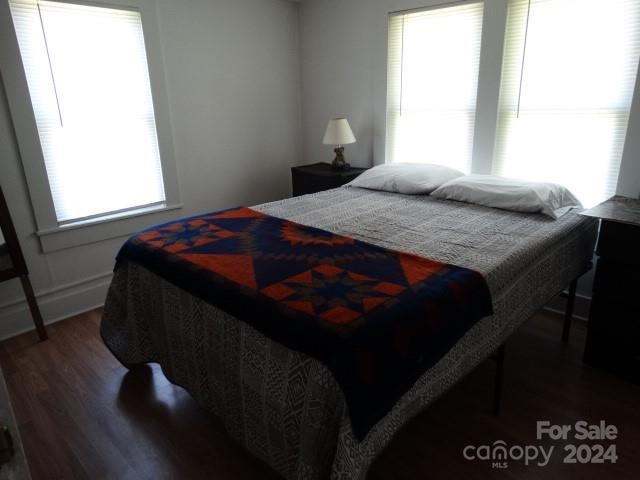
(320, 176)
(613, 336)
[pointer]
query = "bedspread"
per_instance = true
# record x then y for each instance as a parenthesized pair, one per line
(285, 406)
(377, 318)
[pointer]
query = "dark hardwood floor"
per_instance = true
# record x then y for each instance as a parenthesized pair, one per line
(82, 415)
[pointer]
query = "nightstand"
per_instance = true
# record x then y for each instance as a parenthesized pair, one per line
(320, 176)
(613, 336)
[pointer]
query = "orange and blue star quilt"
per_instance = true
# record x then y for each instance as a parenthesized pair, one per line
(377, 318)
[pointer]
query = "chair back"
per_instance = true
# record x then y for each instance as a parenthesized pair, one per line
(10, 240)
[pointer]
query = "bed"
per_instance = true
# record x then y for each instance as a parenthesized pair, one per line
(284, 406)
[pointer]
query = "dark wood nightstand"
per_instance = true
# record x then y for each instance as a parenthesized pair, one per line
(613, 336)
(320, 176)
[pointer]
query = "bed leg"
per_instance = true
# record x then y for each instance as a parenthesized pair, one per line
(568, 313)
(497, 393)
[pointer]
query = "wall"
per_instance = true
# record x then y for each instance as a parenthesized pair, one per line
(343, 51)
(233, 80)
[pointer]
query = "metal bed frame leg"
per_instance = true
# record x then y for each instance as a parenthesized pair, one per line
(568, 313)
(497, 392)
(500, 352)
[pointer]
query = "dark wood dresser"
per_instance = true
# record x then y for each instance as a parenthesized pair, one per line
(613, 337)
(320, 176)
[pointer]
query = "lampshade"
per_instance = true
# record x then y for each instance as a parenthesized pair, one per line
(338, 133)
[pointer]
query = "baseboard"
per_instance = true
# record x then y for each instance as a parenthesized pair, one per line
(580, 310)
(55, 305)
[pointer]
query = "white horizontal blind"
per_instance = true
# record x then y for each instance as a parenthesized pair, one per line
(88, 78)
(578, 77)
(433, 62)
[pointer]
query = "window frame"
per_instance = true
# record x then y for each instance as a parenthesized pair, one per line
(53, 235)
(389, 111)
(616, 114)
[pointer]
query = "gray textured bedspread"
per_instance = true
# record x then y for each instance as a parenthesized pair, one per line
(284, 406)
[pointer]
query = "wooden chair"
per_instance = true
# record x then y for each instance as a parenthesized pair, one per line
(12, 264)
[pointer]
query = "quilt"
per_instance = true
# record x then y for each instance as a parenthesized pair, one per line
(377, 318)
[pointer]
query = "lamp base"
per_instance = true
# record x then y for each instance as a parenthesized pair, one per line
(338, 163)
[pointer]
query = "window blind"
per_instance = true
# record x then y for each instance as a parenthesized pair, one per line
(88, 79)
(568, 77)
(433, 62)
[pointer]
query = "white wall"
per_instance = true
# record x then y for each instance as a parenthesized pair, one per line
(233, 81)
(344, 50)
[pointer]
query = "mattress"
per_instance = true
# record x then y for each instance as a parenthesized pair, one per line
(284, 406)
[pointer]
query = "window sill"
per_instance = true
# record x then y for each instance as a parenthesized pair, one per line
(103, 228)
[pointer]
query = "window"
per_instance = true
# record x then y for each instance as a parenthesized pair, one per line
(433, 64)
(568, 77)
(88, 78)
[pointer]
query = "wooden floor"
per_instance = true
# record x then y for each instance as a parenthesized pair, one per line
(81, 415)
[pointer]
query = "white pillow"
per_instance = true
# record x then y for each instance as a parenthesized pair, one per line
(407, 178)
(510, 194)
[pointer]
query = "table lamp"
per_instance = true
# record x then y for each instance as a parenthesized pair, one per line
(339, 133)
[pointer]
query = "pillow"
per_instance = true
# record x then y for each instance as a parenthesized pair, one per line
(408, 178)
(510, 194)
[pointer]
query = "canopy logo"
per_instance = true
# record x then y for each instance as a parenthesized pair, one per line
(499, 453)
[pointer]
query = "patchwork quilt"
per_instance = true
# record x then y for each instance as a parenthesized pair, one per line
(377, 318)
